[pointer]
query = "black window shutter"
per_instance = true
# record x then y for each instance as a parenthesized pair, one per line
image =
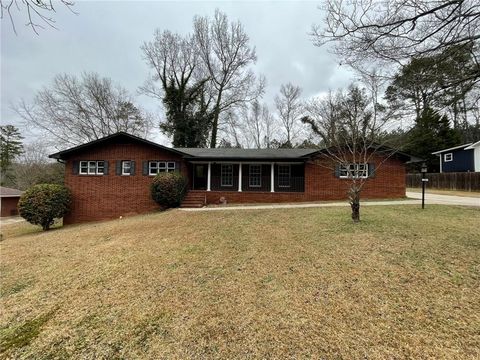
(145, 168)
(118, 167)
(177, 166)
(105, 167)
(371, 170)
(132, 167)
(337, 170)
(75, 166)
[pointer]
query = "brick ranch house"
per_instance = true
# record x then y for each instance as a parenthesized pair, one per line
(111, 177)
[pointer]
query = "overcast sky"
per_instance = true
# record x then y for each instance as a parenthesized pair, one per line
(105, 37)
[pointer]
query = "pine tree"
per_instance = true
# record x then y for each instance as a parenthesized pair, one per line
(431, 132)
(10, 147)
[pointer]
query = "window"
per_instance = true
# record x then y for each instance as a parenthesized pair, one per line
(155, 167)
(92, 167)
(126, 167)
(255, 176)
(284, 175)
(448, 157)
(226, 175)
(356, 171)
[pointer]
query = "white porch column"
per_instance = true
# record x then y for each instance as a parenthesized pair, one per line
(240, 177)
(209, 175)
(272, 180)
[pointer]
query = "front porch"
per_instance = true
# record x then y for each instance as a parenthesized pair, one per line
(247, 176)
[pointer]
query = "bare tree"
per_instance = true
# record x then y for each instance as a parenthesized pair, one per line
(227, 56)
(290, 109)
(351, 135)
(33, 167)
(74, 111)
(37, 12)
(259, 125)
(185, 88)
(374, 32)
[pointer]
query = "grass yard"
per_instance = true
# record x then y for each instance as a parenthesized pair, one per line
(286, 283)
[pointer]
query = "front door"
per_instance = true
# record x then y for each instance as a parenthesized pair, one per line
(200, 176)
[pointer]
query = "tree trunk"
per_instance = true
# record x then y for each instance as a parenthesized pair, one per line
(354, 199)
(216, 115)
(46, 226)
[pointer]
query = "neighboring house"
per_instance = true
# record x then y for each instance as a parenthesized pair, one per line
(111, 177)
(461, 158)
(9, 201)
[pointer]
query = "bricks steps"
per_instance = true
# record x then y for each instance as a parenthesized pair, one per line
(193, 200)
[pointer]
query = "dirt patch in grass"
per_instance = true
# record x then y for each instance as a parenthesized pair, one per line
(283, 283)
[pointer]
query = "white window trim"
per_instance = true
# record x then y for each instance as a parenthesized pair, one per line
(129, 167)
(289, 175)
(450, 157)
(259, 174)
(88, 172)
(222, 166)
(346, 167)
(164, 165)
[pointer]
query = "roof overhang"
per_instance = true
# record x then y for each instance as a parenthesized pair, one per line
(61, 155)
(453, 148)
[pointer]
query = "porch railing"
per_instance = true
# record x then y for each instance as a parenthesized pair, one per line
(292, 184)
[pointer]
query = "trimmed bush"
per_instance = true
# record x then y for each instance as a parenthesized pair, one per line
(42, 204)
(168, 189)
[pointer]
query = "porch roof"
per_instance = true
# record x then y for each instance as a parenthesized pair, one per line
(246, 154)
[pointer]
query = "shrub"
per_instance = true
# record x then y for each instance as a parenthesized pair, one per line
(168, 189)
(42, 204)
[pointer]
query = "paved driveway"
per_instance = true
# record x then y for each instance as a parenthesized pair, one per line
(445, 199)
(11, 220)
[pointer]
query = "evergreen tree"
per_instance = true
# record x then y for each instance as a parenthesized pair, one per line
(10, 147)
(431, 132)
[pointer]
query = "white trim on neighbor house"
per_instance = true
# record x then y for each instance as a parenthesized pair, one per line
(453, 148)
(91, 167)
(476, 156)
(448, 157)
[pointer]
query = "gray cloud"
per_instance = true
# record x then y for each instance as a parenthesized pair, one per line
(105, 37)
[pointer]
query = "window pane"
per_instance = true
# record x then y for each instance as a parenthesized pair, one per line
(226, 176)
(171, 166)
(126, 167)
(284, 175)
(255, 176)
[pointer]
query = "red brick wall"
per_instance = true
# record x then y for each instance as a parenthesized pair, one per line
(321, 184)
(101, 197)
(9, 206)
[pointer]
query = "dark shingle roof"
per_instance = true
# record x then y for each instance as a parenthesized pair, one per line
(120, 134)
(254, 154)
(9, 192)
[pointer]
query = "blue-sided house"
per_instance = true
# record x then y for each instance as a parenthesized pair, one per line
(460, 158)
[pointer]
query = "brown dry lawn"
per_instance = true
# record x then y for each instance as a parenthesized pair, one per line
(285, 283)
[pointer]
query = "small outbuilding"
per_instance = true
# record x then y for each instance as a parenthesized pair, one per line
(8, 201)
